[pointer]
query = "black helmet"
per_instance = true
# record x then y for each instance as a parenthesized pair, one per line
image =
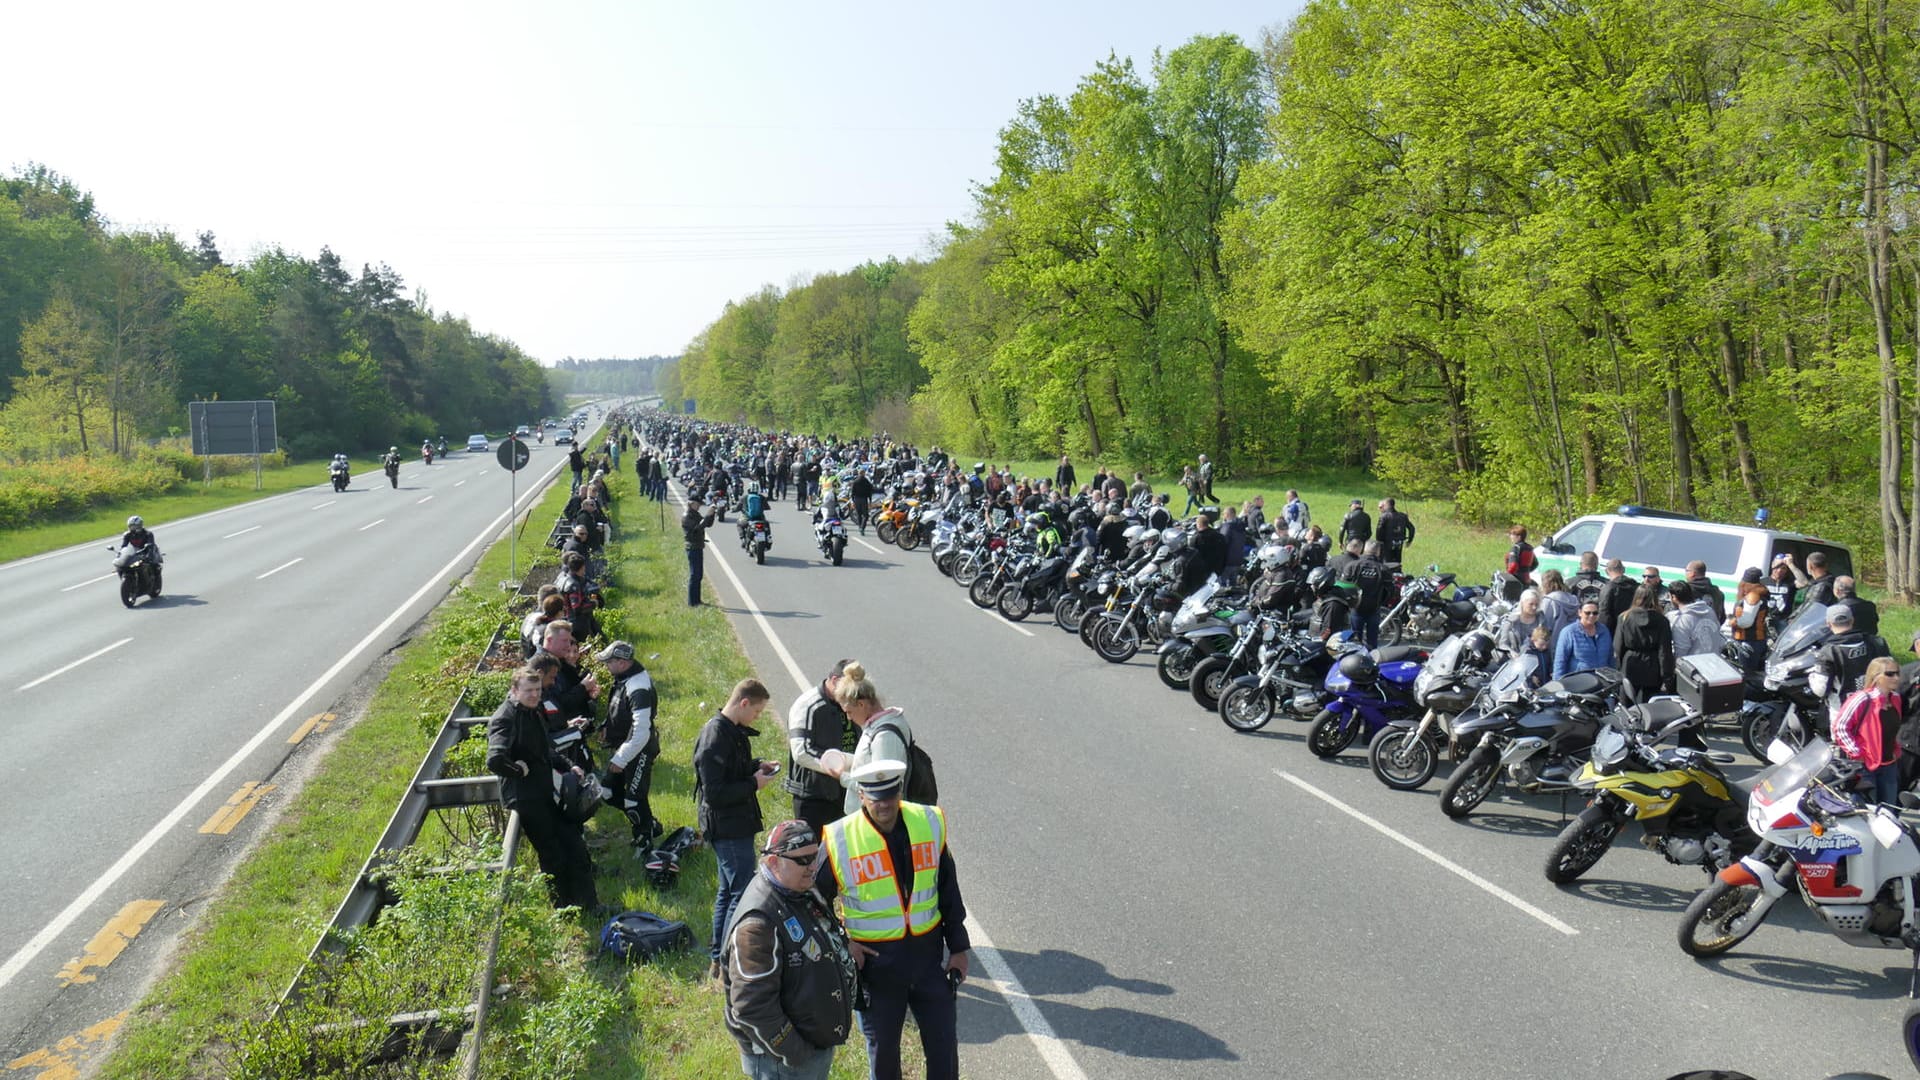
(1477, 650)
(1039, 519)
(1320, 580)
(578, 798)
(663, 868)
(1360, 669)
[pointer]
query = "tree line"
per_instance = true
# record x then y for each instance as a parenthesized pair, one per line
(1542, 257)
(605, 377)
(106, 334)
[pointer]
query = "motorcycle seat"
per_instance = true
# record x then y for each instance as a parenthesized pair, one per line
(1586, 683)
(1388, 654)
(1461, 610)
(1658, 713)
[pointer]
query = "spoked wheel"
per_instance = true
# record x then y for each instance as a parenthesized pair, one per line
(1329, 735)
(886, 530)
(1176, 666)
(1720, 918)
(984, 591)
(1581, 844)
(1068, 612)
(1209, 680)
(943, 562)
(1246, 708)
(1116, 640)
(1015, 603)
(1089, 622)
(908, 538)
(1402, 758)
(967, 568)
(129, 590)
(1472, 781)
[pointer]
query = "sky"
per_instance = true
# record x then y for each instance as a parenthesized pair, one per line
(585, 179)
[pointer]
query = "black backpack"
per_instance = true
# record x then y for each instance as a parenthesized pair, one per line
(921, 787)
(639, 936)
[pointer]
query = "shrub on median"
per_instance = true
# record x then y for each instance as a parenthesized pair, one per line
(41, 491)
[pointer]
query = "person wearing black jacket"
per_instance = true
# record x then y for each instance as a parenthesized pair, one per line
(1616, 596)
(694, 526)
(632, 739)
(1395, 532)
(1356, 525)
(1209, 555)
(1866, 613)
(1370, 587)
(860, 490)
(1704, 589)
(576, 461)
(1820, 583)
(519, 752)
(1840, 667)
(1643, 646)
(1063, 477)
(727, 782)
(816, 724)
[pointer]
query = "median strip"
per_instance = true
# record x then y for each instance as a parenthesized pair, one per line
(224, 819)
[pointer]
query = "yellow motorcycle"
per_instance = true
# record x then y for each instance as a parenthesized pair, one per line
(1691, 815)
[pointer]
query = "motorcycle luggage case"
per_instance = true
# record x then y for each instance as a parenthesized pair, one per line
(1709, 683)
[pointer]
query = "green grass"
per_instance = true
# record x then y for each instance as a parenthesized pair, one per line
(109, 520)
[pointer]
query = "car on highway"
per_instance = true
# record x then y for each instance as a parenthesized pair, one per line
(478, 443)
(523, 430)
(565, 438)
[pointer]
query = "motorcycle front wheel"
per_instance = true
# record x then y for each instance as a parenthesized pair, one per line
(1209, 681)
(1910, 1033)
(1472, 781)
(908, 538)
(1402, 758)
(1328, 736)
(1394, 630)
(1068, 612)
(1175, 666)
(129, 590)
(1717, 920)
(886, 530)
(984, 591)
(1246, 708)
(1581, 844)
(967, 568)
(1116, 640)
(1015, 603)
(1757, 729)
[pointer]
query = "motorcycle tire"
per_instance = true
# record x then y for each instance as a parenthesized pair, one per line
(839, 551)
(1175, 666)
(908, 539)
(1582, 843)
(1472, 781)
(129, 590)
(1116, 640)
(1403, 759)
(943, 562)
(1246, 708)
(1068, 613)
(1715, 907)
(1757, 730)
(1910, 1033)
(984, 591)
(966, 569)
(1088, 624)
(1394, 632)
(1014, 604)
(886, 531)
(1209, 680)
(1328, 736)
(760, 554)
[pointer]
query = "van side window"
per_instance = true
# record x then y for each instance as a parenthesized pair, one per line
(1639, 544)
(1584, 536)
(1839, 562)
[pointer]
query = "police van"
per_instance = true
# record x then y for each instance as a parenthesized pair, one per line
(1641, 537)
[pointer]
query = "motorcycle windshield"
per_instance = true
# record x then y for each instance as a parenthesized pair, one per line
(1446, 658)
(1806, 630)
(1793, 774)
(1512, 678)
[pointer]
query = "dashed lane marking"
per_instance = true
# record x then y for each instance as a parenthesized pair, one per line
(59, 671)
(86, 583)
(371, 524)
(238, 806)
(242, 532)
(279, 568)
(107, 945)
(457, 483)
(62, 1060)
(314, 724)
(427, 499)
(326, 504)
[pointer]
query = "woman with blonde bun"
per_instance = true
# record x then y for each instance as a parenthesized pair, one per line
(886, 741)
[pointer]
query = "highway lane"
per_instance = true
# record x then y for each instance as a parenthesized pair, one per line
(1181, 899)
(265, 604)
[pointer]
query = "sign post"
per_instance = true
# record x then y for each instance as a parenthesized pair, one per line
(513, 455)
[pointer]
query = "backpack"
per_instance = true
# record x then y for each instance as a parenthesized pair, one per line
(639, 936)
(921, 787)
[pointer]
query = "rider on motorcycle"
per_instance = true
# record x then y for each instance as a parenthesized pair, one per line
(390, 462)
(426, 450)
(441, 447)
(137, 537)
(1046, 538)
(754, 507)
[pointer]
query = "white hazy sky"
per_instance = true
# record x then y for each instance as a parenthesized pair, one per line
(587, 179)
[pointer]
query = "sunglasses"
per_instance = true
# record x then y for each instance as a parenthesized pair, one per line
(799, 860)
(1585, 613)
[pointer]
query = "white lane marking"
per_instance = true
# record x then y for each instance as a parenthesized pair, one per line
(417, 502)
(279, 568)
(1428, 853)
(371, 524)
(326, 504)
(55, 673)
(1008, 623)
(866, 545)
(1051, 1049)
(242, 532)
(91, 894)
(87, 582)
(457, 483)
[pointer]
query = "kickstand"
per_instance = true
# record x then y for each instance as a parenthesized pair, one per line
(1913, 980)
(1563, 809)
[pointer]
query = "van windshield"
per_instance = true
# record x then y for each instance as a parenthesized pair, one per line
(1665, 544)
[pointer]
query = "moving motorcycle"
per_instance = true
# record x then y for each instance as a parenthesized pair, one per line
(1856, 865)
(139, 573)
(393, 472)
(756, 536)
(831, 534)
(1533, 738)
(426, 454)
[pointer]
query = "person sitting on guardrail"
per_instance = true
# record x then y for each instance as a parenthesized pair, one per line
(582, 595)
(519, 752)
(548, 606)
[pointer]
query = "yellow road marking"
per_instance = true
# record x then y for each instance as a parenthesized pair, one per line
(316, 722)
(61, 1060)
(244, 800)
(110, 942)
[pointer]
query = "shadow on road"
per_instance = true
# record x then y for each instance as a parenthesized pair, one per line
(1511, 824)
(175, 600)
(1813, 976)
(772, 614)
(1633, 894)
(985, 1017)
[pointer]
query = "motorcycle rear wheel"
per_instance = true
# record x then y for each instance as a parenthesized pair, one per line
(1116, 640)
(1246, 708)
(1402, 759)
(1328, 736)
(886, 530)
(1472, 781)
(1757, 730)
(1718, 906)
(984, 591)
(1910, 1033)
(760, 554)
(839, 551)
(1015, 604)
(1175, 666)
(1582, 843)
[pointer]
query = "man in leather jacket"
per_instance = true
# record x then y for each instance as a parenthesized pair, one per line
(787, 967)
(815, 725)
(633, 739)
(1840, 667)
(519, 752)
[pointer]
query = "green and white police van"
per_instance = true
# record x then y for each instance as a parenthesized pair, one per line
(1667, 541)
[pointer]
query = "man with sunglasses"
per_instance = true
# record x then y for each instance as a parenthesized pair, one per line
(1584, 644)
(900, 899)
(787, 968)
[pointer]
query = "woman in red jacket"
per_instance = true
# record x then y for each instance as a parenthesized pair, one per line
(1867, 725)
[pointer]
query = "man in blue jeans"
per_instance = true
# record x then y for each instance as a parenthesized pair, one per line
(727, 782)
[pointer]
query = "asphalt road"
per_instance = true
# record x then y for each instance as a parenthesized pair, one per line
(128, 730)
(1178, 899)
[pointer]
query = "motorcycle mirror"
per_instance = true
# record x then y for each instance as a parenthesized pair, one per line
(1721, 757)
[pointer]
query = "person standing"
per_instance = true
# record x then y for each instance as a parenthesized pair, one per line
(1370, 585)
(1394, 531)
(1295, 515)
(1063, 477)
(577, 462)
(1205, 476)
(1521, 560)
(1820, 580)
(1866, 613)
(694, 526)
(1704, 589)
(1585, 646)
(788, 969)
(1643, 646)
(1616, 596)
(1867, 728)
(521, 755)
(1356, 525)
(1191, 484)
(727, 780)
(817, 724)
(633, 738)
(900, 897)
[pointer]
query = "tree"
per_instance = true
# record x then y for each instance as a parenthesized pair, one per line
(61, 351)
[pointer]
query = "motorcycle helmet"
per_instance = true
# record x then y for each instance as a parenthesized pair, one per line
(1320, 580)
(1275, 556)
(663, 868)
(1039, 519)
(1175, 540)
(1150, 537)
(1477, 650)
(979, 466)
(578, 799)
(393, 449)
(1133, 532)
(134, 522)
(1359, 668)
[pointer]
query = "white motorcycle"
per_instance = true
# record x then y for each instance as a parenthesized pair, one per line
(830, 532)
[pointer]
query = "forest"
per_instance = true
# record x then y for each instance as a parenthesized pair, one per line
(106, 334)
(1540, 257)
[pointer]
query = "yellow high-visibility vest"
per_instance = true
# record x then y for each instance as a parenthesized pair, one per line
(870, 891)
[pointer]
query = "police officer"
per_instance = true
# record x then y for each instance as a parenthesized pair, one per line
(908, 934)
(633, 738)
(787, 968)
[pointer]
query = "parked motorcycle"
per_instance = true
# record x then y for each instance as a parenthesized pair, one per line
(1201, 628)
(1405, 754)
(1786, 689)
(139, 573)
(1855, 864)
(1037, 588)
(1422, 616)
(1293, 669)
(1366, 691)
(1213, 674)
(1534, 739)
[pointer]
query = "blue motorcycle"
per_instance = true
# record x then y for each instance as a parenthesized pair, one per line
(1367, 692)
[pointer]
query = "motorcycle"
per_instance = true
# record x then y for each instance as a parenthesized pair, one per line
(1786, 689)
(1201, 628)
(393, 473)
(426, 455)
(1690, 813)
(831, 534)
(1421, 616)
(340, 476)
(1037, 589)
(1405, 754)
(1366, 692)
(1117, 634)
(1003, 564)
(1213, 674)
(755, 539)
(1856, 865)
(1531, 738)
(139, 573)
(1293, 668)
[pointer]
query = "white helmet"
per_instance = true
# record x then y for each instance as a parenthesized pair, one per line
(1134, 532)
(134, 522)
(1275, 556)
(1151, 536)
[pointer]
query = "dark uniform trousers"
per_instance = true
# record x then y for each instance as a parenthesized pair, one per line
(910, 975)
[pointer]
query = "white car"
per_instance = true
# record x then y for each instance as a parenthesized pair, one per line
(565, 438)
(478, 444)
